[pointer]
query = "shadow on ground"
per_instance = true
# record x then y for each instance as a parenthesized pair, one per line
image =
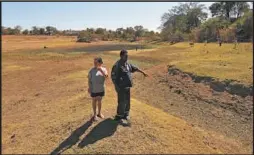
(227, 85)
(104, 129)
(72, 139)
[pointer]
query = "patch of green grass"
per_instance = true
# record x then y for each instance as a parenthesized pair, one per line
(223, 62)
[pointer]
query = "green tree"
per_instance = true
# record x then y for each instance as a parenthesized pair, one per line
(240, 8)
(35, 30)
(209, 29)
(17, 29)
(100, 31)
(10, 31)
(42, 31)
(195, 16)
(244, 26)
(90, 30)
(83, 34)
(139, 31)
(25, 32)
(228, 9)
(130, 32)
(182, 19)
(216, 9)
(50, 30)
(119, 31)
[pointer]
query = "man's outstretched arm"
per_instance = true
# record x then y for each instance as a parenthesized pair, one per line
(136, 69)
(139, 70)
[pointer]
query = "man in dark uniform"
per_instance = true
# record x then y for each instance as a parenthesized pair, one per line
(121, 77)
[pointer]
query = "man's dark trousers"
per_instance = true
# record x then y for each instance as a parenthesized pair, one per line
(123, 107)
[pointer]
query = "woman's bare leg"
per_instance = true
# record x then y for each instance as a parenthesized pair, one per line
(94, 108)
(99, 107)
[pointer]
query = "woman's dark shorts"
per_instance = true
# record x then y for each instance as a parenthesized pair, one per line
(101, 94)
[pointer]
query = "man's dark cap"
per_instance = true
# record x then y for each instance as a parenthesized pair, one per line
(123, 52)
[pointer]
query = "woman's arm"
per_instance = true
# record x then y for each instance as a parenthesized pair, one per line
(89, 82)
(104, 72)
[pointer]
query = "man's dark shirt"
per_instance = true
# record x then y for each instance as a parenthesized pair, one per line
(121, 74)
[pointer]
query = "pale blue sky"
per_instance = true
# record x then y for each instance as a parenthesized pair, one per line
(80, 15)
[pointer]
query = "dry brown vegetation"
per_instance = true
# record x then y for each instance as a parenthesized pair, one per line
(46, 109)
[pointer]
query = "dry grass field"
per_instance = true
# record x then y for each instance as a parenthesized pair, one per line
(46, 107)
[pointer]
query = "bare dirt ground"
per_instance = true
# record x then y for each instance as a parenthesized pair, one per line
(46, 108)
(221, 112)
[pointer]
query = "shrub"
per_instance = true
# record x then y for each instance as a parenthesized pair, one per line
(84, 39)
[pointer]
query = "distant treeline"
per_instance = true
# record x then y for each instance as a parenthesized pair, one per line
(230, 22)
(129, 33)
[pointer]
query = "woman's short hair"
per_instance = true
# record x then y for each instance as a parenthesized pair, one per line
(99, 60)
